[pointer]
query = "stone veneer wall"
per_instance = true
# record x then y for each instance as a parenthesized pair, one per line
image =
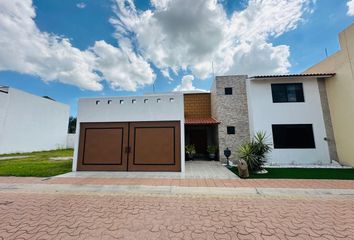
(230, 110)
(327, 119)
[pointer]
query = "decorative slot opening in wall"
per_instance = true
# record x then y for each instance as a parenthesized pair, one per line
(146, 100)
(134, 101)
(109, 101)
(158, 100)
(121, 102)
(98, 102)
(172, 99)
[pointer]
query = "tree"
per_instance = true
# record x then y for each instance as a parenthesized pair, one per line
(72, 125)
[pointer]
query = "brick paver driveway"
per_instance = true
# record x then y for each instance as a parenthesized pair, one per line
(63, 215)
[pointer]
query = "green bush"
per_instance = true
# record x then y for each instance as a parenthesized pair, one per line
(190, 150)
(254, 152)
(212, 149)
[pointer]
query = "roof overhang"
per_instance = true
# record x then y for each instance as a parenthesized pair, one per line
(201, 121)
(305, 75)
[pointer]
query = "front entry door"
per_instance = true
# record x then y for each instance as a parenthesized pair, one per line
(199, 138)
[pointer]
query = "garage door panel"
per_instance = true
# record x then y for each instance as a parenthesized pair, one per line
(136, 146)
(155, 146)
(102, 145)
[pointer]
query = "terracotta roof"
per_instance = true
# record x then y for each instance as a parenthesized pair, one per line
(201, 121)
(297, 75)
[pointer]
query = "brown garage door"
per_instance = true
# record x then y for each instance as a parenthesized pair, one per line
(155, 146)
(137, 146)
(102, 146)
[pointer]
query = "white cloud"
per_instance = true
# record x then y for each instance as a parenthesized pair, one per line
(124, 69)
(187, 85)
(166, 73)
(81, 5)
(184, 34)
(24, 48)
(350, 8)
(177, 36)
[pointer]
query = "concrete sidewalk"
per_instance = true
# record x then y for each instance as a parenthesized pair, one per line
(227, 187)
(232, 183)
(174, 190)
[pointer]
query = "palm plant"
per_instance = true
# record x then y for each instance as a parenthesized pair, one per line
(254, 152)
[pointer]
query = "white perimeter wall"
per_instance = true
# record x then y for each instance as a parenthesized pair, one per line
(164, 110)
(70, 140)
(31, 123)
(263, 113)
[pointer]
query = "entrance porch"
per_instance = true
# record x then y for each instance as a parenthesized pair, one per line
(201, 133)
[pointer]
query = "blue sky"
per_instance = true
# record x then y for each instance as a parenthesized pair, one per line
(72, 49)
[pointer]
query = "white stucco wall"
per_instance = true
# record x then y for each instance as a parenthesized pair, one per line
(70, 140)
(4, 101)
(31, 123)
(263, 113)
(164, 110)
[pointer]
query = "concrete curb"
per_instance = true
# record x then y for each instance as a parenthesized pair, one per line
(174, 190)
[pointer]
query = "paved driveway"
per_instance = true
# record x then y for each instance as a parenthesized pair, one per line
(194, 170)
(37, 213)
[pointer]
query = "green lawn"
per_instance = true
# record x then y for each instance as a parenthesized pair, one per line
(304, 173)
(37, 164)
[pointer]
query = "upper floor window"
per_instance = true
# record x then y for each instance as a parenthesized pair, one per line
(228, 91)
(287, 92)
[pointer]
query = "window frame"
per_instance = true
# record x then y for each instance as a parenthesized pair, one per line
(299, 98)
(232, 128)
(279, 144)
(226, 91)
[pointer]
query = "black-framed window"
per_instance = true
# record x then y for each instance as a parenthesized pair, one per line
(230, 129)
(287, 92)
(293, 136)
(228, 91)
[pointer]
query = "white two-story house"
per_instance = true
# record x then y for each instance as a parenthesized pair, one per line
(149, 133)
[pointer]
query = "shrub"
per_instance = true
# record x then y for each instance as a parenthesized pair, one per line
(212, 148)
(190, 150)
(254, 152)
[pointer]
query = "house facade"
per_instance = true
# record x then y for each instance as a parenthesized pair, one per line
(290, 109)
(31, 123)
(149, 133)
(143, 133)
(340, 95)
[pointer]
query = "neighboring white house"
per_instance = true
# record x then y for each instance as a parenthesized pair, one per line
(31, 123)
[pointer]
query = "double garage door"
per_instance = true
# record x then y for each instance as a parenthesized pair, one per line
(133, 146)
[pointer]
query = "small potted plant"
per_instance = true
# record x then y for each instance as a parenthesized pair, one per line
(190, 151)
(212, 151)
